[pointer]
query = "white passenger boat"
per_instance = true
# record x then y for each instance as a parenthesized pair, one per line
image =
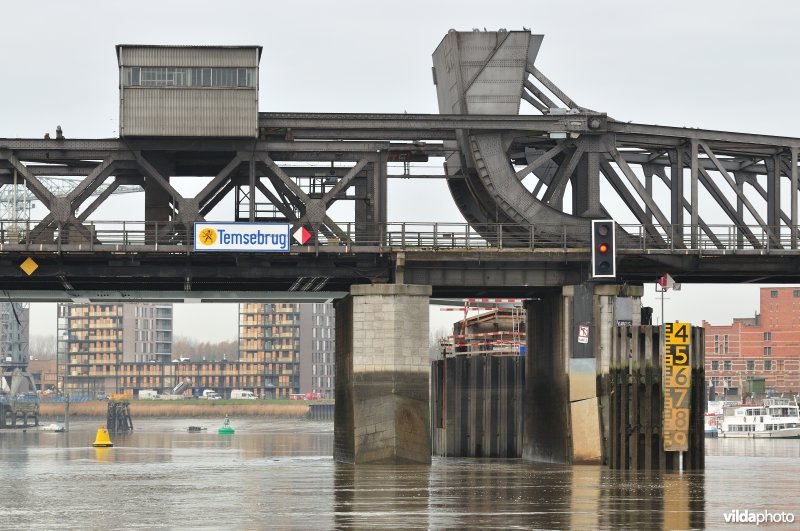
(777, 418)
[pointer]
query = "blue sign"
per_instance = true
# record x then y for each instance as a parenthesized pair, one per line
(246, 237)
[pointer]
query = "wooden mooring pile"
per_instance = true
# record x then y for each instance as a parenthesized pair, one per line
(633, 404)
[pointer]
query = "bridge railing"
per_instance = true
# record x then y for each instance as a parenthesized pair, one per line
(138, 236)
(465, 236)
(710, 238)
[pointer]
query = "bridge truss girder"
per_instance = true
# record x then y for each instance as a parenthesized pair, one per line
(626, 156)
(694, 193)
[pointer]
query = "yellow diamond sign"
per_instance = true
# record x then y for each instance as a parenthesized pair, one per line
(29, 266)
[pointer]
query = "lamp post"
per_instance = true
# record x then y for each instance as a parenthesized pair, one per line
(66, 406)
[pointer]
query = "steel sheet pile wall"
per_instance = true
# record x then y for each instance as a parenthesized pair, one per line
(633, 394)
(320, 411)
(477, 406)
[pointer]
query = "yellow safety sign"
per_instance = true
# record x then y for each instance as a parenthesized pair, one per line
(29, 266)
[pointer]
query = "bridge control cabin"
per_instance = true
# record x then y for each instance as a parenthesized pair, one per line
(188, 91)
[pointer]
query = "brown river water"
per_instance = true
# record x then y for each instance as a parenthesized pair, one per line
(280, 474)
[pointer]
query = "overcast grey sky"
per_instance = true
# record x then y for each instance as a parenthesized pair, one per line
(715, 65)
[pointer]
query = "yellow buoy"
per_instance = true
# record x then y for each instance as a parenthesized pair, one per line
(102, 440)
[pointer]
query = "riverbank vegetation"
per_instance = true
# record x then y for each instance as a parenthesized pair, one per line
(183, 408)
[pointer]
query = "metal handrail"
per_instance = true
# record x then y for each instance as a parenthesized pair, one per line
(138, 236)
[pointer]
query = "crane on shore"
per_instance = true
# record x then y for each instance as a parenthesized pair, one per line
(17, 201)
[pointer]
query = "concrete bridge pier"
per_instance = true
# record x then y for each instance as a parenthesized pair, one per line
(570, 333)
(382, 413)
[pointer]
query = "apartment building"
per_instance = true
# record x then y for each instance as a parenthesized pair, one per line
(284, 349)
(14, 333)
(96, 339)
(295, 342)
(766, 346)
(317, 349)
(269, 333)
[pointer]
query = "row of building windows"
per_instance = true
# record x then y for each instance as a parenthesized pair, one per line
(157, 324)
(327, 382)
(767, 350)
(152, 348)
(322, 357)
(322, 333)
(152, 311)
(323, 320)
(322, 308)
(86, 309)
(154, 76)
(324, 345)
(774, 293)
(322, 369)
(751, 365)
(152, 335)
(726, 381)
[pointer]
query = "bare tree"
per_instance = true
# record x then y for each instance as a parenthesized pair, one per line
(42, 347)
(435, 346)
(186, 347)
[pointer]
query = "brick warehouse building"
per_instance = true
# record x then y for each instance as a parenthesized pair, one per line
(765, 346)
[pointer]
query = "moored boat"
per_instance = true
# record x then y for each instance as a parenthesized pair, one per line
(712, 425)
(776, 418)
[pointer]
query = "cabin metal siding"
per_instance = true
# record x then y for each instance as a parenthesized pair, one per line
(189, 112)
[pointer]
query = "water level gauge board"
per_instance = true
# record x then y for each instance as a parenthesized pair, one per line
(676, 381)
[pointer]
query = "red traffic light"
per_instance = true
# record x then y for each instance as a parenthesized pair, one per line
(603, 249)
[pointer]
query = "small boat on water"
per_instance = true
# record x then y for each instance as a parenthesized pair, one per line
(712, 421)
(777, 418)
(54, 427)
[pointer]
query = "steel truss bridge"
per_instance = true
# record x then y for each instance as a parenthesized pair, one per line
(706, 206)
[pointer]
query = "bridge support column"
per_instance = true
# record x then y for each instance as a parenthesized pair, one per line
(382, 413)
(570, 343)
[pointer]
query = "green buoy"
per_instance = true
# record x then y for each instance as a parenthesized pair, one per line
(226, 428)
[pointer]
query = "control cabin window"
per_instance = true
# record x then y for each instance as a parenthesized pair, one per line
(160, 77)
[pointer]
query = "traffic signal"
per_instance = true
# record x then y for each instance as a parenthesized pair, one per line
(604, 251)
